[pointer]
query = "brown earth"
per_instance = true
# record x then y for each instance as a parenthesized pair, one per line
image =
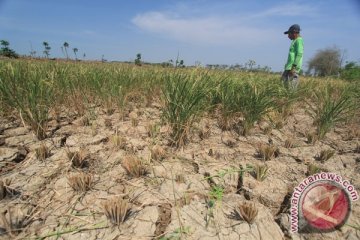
(174, 200)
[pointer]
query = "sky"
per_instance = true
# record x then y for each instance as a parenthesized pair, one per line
(196, 31)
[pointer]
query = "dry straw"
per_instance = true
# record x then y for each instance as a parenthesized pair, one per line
(117, 210)
(4, 188)
(13, 221)
(158, 153)
(289, 143)
(325, 155)
(267, 151)
(248, 211)
(134, 166)
(311, 137)
(261, 172)
(81, 182)
(42, 152)
(78, 158)
(118, 141)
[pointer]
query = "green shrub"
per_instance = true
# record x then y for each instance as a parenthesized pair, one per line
(351, 72)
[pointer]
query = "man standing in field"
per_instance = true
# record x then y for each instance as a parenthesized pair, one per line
(294, 61)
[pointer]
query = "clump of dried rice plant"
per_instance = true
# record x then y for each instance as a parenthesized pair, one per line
(78, 158)
(225, 123)
(354, 132)
(118, 141)
(6, 190)
(325, 155)
(117, 210)
(267, 151)
(80, 182)
(14, 221)
(158, 153)
(289, 143)
(267, 130)
(248, 211)
(4, 185)
(357, 148)
(277, 119)
(134, 166)
(311, 137)
(108, 122)
(153, 129)
(109, 106)
(94, 129)
(180, 178)
(230, 143)
(42, 152)
(85, 121)
(205, 132)
(260, 172)
(134, 119)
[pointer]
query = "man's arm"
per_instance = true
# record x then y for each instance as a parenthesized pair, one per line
(299, 50)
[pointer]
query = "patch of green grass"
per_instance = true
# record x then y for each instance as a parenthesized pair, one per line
(255, 99)
(332, 105)
(177, 233)
(185, 99)
(217, 193)
(26, 88)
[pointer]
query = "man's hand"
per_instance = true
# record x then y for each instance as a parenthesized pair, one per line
(293, 70)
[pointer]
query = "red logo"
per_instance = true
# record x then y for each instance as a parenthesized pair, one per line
(325, 206)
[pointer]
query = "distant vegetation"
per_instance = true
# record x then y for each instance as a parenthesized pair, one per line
(351, 72)
(47, 49)
(6, 51)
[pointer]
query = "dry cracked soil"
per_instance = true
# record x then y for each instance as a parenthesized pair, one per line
(186, 193)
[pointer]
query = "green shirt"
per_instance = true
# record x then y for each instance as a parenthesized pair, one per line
(295, 54)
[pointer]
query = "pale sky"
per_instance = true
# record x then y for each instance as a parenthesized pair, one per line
(205, 31)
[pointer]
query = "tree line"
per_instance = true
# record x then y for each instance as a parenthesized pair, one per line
(8, 52)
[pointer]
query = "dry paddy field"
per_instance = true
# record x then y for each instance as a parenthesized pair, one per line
(113, 151)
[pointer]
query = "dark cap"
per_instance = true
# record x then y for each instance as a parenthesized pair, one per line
(294, 28)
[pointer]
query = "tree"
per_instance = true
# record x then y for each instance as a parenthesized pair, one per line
(75, 51)
(6, 51)
(138, 59)
(66, 45)
(4, 43)
(351, 72)
(251, 63)
(47, 49)
(326, 62)
(32, 53)
(181, 64)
